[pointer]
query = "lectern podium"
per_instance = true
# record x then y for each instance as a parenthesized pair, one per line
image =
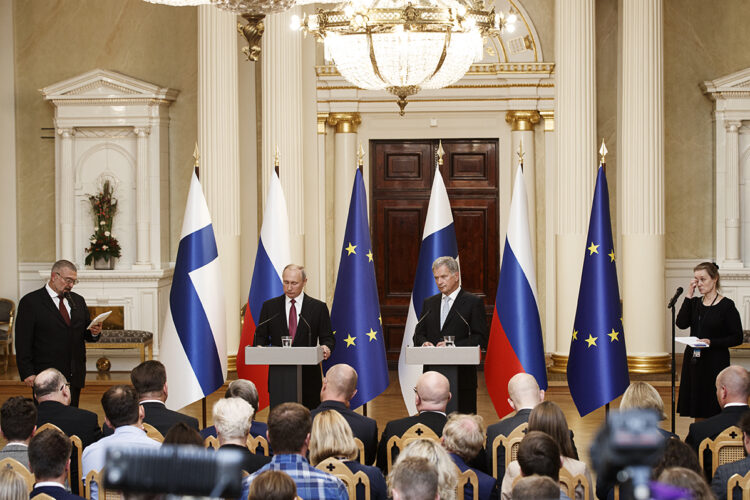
(445, 360)
(289, 362)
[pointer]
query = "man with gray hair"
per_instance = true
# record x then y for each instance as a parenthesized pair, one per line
(463, 438)
(456, 313)
(246, 390)
(52, 330)
(307, 321)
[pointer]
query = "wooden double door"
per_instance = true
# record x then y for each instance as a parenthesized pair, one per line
(401, 180)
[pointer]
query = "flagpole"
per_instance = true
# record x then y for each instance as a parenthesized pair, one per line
(360, 167)
(603, 164)
(196, 168)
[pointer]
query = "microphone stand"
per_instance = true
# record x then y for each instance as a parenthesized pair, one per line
(673, 367)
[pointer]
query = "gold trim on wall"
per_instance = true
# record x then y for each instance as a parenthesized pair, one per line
(559, 363)
(487, 69)
(345, 123)
(636, 364)
(322, 118)
(521, 121)
(549, 120)
(232, 363)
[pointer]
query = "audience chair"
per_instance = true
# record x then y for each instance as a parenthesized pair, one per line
(573, 483)
(7, 314)
(12, 463)
(211, 442)
(466, 477)
(743, 482)
(104, 494)
(727, 447)
(77, 450)
(361, 448)
(416, 431)
(152, 432)
(351, 480)
(510, 443)
(42, 496)
(255, 442)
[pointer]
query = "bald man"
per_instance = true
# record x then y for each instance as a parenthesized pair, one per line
(524, 395)
(339, 387)
(431, 395)
(732, 391)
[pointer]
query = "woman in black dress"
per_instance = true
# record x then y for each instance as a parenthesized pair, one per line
(714, 319)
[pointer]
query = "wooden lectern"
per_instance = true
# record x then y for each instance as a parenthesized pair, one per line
(290, 360)
(446, 361)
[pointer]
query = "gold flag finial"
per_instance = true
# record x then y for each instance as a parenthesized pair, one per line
(196, 156)
(440, 153)
(603, 153)
(520, 153)
(360, 155)
(276, 157)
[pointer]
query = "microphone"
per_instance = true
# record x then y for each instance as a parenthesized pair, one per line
(424, 315)
(264, 322)
(468, 328)
(674, 298)
(309, 330)
(68, 296)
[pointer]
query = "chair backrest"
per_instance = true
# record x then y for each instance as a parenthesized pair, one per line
(743, 482)
(7, 315)
(96, 476)
(211, 442)
(42, 496)
(572, 483)
(254, 442)
(725, 448)
(467, 477)
(77, 451)
(12, 463)
(361, 448)
(416, 431)
(510, 443)
(152, 432)
(350, 479)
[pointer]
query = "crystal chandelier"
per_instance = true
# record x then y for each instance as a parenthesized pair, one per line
(404, 47)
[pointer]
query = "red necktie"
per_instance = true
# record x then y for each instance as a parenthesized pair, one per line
(292, 320)
(64, 310)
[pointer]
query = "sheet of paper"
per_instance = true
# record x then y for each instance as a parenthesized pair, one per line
(691, 341)
(99, 319)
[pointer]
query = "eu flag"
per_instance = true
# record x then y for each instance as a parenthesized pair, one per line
(355, 314)
(597, 365)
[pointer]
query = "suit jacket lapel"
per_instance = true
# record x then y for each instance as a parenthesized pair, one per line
(282, 314)
(50, 304)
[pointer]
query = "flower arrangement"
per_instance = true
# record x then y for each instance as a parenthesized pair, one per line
(103, 207)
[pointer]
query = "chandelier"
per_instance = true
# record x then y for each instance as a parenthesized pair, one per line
(404, 46)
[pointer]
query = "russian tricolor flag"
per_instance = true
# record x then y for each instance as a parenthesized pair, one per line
(272, 256)
(438, 239)
(515, 343)
(193, 348)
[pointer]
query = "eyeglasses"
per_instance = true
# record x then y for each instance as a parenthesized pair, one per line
(64, 386)
(68, 281)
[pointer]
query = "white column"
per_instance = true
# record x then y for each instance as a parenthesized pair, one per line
(67, 203)
(345, 167)
(642, 203)
(281, 104)
(575, 47)
(321, 208)
(732, 199)
(522, 133)
(143, 199)
(550, 204)
(218, 141)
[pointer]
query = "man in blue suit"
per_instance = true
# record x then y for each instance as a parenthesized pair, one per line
(463, 437)
(49, 458)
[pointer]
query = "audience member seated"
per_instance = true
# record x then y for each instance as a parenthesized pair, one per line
(676, 454)
(182, 433)
(524, 394)
(17, 423)
(289, 427)
(339, 387)
(12, 485)
(463, 437)
(246, 390)
(741, 467)
(431, 394)
(693, 483)
(52, 392)
(536, 488)
(732, 391)
(123, 413)
(331, 436)
(273, 485)
(435, 454)
(413, 478)
(538, 454)
(232, 418)
(49, 455)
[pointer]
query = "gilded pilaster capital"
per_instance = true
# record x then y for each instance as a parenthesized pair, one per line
(521, 121)
(322, 119)
(345, 123)
(549, 120)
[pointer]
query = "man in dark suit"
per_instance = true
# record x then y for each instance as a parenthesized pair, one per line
(339, 387)
(150, 381)
(431, 395)
(741, 467)
(732, 391)
(49, 457)
(307, 321)
(524, 395)
(463, 438)
(51, 330)
(18, 423)
(458, 313)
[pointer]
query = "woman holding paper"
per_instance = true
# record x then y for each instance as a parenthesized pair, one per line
(715, 321)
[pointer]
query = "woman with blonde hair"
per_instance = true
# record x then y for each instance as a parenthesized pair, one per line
(641, 395)
(331, 436)
(436, 454)
(12, 486)
(549, 418)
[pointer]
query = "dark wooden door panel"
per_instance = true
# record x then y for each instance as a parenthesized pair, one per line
(403, 165)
